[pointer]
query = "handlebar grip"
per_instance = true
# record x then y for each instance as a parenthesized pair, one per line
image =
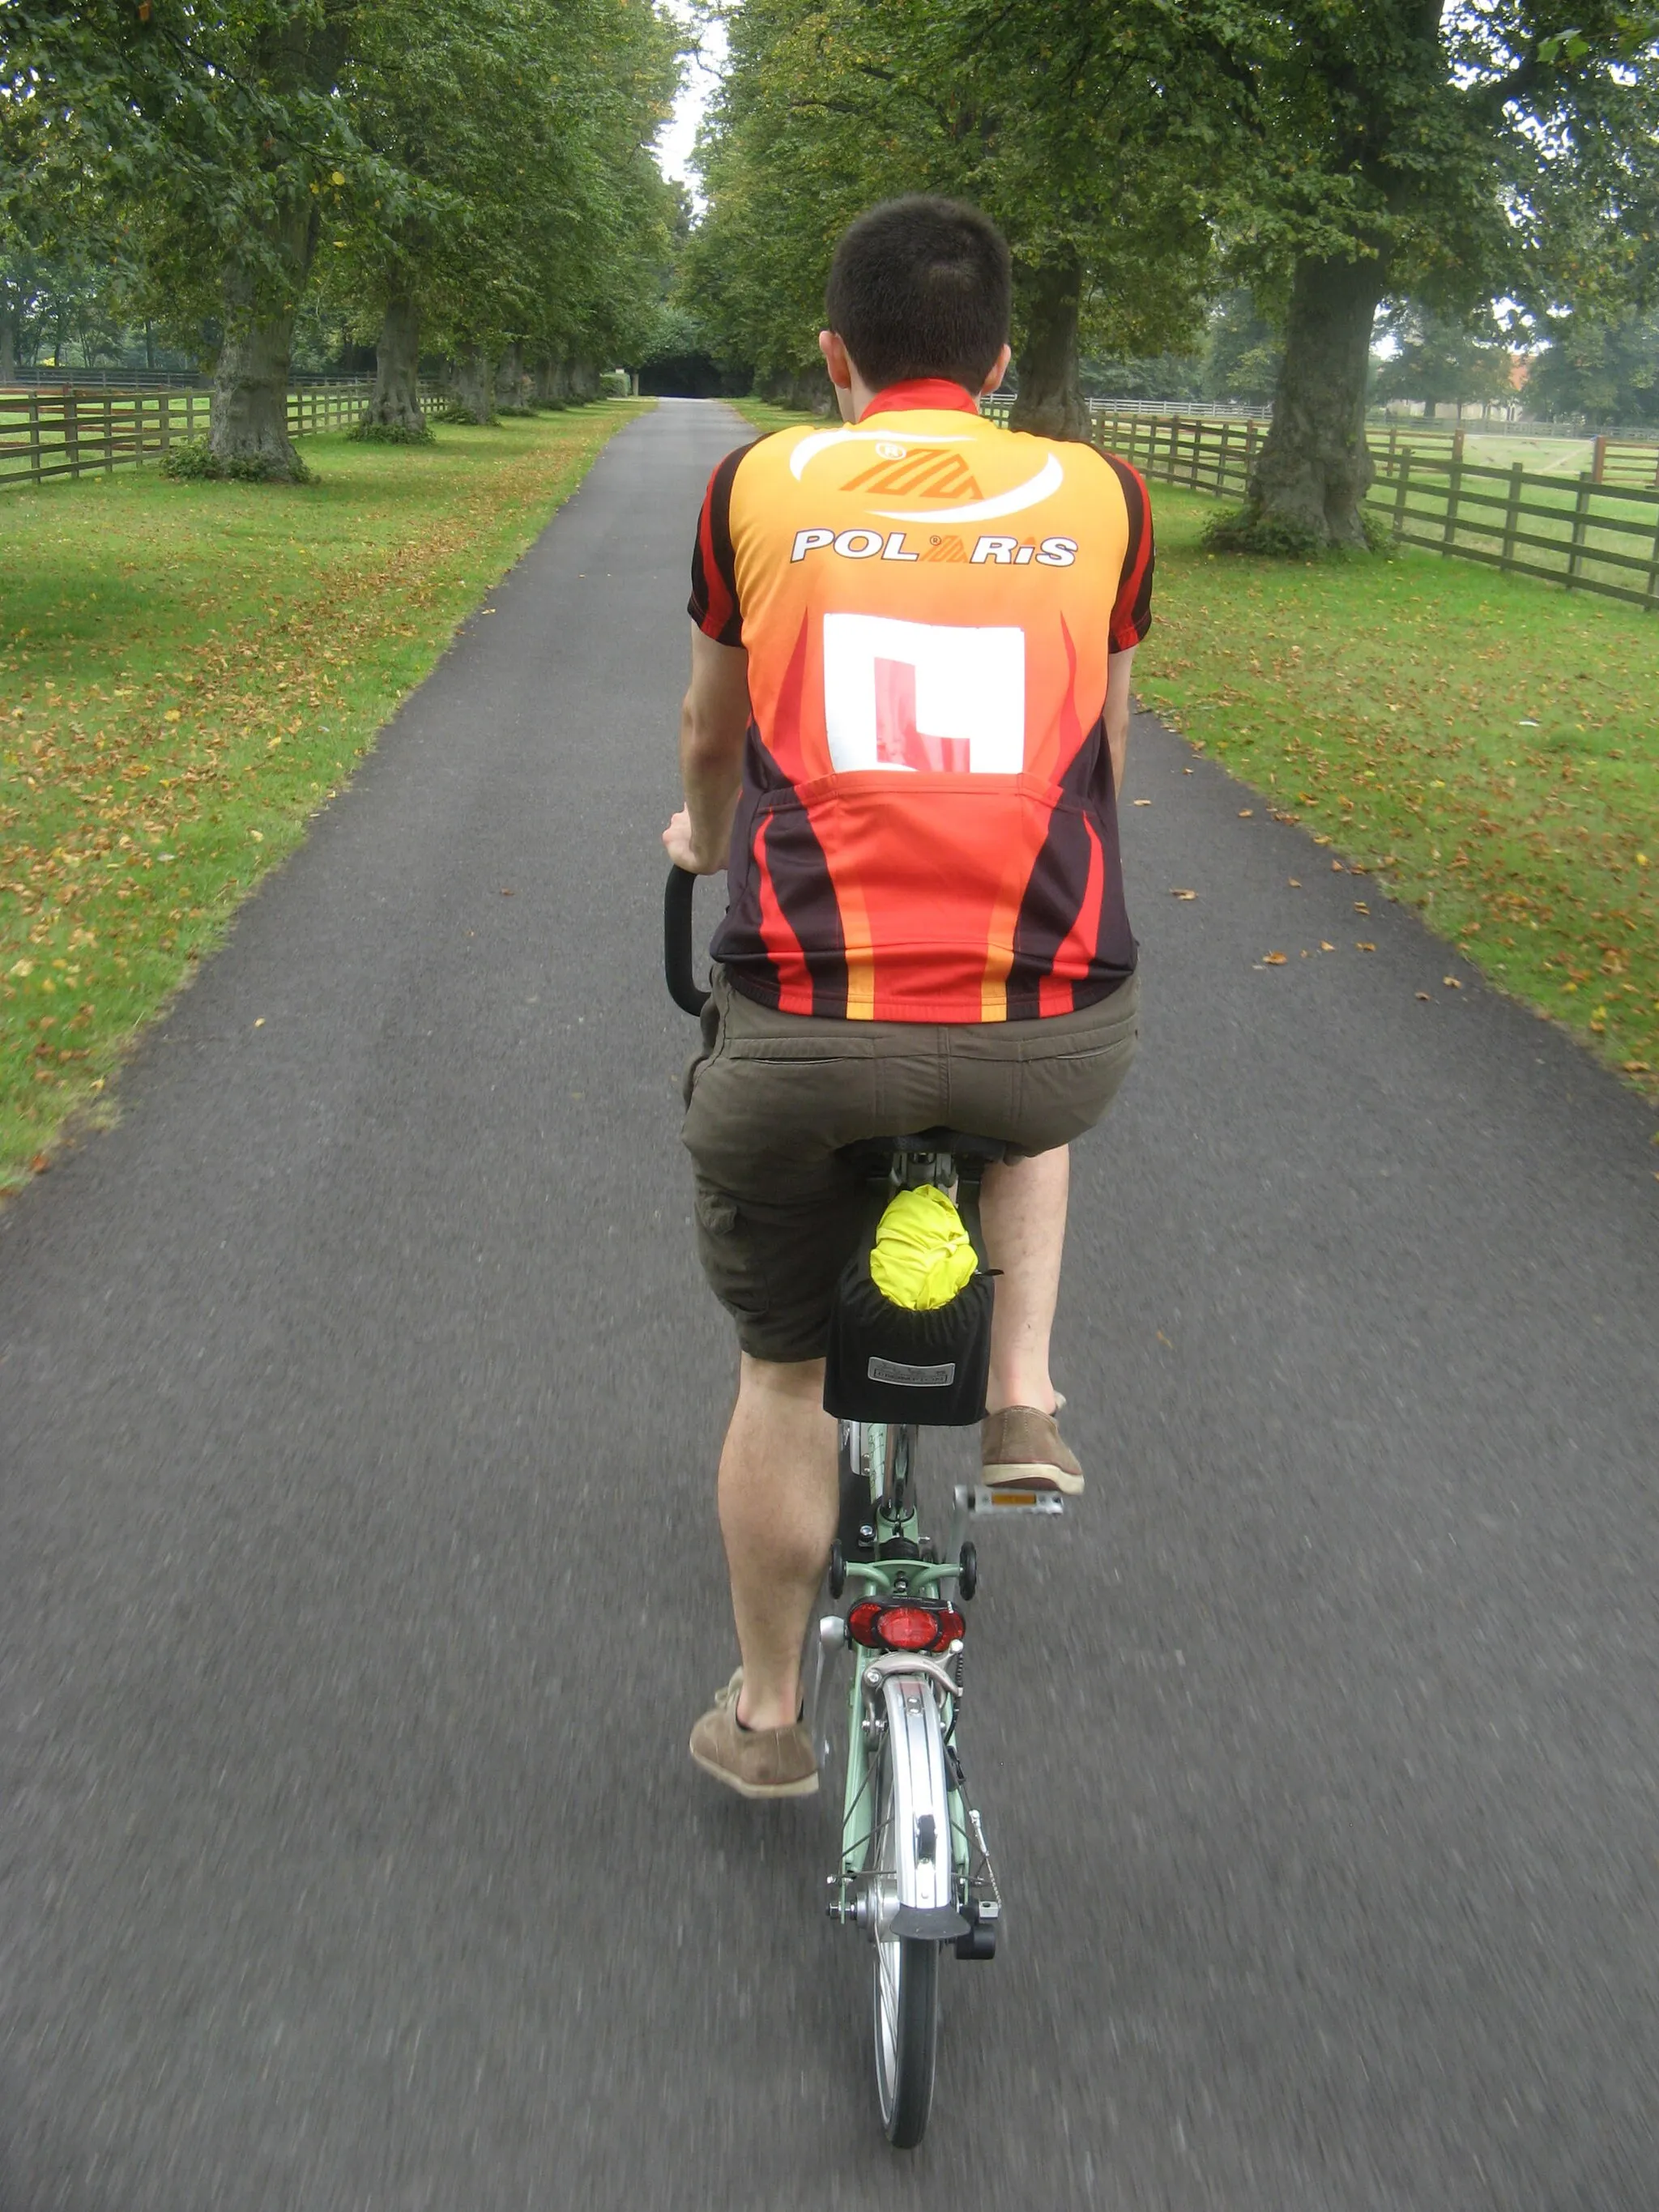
(677, 966)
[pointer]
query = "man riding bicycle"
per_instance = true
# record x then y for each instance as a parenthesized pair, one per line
(903, 737)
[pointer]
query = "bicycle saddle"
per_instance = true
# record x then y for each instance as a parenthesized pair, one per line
(961, 1143)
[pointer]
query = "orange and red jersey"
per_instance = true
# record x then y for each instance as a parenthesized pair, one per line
(928, 829)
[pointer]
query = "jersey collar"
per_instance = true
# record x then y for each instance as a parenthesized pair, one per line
(935, 391)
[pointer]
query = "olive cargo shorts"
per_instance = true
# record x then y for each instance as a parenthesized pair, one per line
(771, 1099)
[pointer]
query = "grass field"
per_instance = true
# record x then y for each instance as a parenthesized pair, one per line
(1486, 744)
(188, 671)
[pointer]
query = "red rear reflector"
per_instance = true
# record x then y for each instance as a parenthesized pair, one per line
(904, 1628)
(908, 1628)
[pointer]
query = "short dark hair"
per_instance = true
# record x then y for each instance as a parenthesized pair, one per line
(920, 287)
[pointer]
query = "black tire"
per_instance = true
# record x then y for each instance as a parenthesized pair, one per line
(907, 2095)
(905, 1990)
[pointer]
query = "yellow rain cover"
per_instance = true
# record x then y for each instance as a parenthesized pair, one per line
(922, 1257)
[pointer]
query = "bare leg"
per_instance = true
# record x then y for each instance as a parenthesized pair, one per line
(1023, 1205)
(778, 1512)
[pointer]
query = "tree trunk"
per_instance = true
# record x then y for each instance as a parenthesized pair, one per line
(8, 346)
(1315, 468)
(396, 405)
(509, 380)
(475, 384)
(541, 381)
(247, 415)
(1050, 398)
(584, 382)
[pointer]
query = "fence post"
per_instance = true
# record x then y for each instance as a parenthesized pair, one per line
(109, 432)
(1511, 517)
(72, 433)
(1457, 445)
(1598, 461)
(1580, 517)
(34, 432)
(1249, 453)
(164, 406)
(1453, 487)
(1401, 481)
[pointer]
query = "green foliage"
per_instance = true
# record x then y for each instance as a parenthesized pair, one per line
(367, 432)
(1242, 358)
(1244, 530)
(191, 461)
(1442, 357)
(1606, 372)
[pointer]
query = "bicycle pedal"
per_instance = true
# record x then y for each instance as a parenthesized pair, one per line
(1006, 1497)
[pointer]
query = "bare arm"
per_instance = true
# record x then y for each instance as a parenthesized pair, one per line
(713, 723)
(1117, 712)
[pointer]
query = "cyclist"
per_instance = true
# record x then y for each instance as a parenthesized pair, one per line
(903, 738)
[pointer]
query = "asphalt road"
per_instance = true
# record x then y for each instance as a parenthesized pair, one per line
(360, 1580)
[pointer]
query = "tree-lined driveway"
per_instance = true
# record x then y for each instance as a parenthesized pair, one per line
(358, 1404)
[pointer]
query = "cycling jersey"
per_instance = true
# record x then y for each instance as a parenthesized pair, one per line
(928, 829)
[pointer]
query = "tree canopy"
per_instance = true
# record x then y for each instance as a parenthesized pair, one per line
(480, 167)
(1330, 155)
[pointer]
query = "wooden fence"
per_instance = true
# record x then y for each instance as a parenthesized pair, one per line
(1590, 534)
(64, 431)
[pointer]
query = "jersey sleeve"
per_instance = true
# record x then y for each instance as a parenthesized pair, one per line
(713, 603)
(1132, 613)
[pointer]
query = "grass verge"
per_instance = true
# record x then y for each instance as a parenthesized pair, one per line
(1485, 744)
(187, 672)
(767, 418)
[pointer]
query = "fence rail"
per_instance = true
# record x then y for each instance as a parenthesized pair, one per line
(48, 431)
(1589, 532)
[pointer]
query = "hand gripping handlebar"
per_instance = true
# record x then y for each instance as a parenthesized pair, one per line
(677, 965)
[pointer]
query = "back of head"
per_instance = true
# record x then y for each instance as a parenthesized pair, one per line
(918, 288)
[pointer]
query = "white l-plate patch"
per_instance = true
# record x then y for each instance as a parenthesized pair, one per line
(923, 695)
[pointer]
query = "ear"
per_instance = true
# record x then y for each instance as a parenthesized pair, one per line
(998, 370)
(836, 361)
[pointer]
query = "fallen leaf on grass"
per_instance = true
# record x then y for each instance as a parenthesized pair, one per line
(1274, 959)
(1336, 868)
(1176, 894)
(39, 1165)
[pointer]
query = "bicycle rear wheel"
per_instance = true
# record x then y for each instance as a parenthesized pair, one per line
(906, 1990)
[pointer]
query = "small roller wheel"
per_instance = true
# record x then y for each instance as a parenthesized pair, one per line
(968, 1570)
(838, 1569)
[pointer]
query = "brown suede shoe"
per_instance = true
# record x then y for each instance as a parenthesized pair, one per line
(1022, 1449)
(754, 1762)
